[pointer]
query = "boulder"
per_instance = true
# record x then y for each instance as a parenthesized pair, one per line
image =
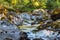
(9, 31)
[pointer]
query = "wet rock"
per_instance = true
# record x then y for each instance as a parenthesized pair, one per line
(43, 34)
(33, 17)
(58, 36)
(31, 35)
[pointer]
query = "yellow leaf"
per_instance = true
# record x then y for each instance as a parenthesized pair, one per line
(14, 1)
(1, 6)
(56, 12)
(36, 4)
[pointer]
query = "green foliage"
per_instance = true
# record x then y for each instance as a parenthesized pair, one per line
(51, 4)
(29, 5)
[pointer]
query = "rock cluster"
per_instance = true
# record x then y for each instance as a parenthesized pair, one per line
(49, 28)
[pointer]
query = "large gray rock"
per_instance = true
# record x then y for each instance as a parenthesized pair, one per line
(9, 31)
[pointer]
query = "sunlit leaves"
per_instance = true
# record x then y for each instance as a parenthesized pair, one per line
(1, 1)
(36, 4)
(31, 4)
(26, 2)
(14, 1)
(58, 3)
(51, 4)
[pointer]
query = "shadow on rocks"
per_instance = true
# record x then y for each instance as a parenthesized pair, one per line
(38, 39)
(7, 39)
(23, 36)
